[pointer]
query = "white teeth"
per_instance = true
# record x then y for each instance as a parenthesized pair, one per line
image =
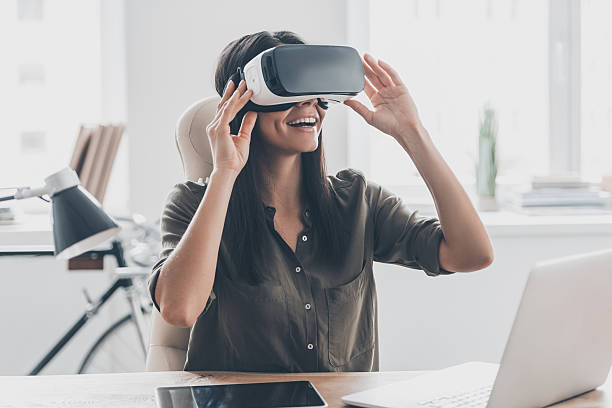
(302, 120)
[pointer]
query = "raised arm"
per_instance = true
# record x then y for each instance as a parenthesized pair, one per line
(186, 277)
(466, 245)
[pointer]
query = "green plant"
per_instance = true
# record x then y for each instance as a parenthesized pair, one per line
(486, 171)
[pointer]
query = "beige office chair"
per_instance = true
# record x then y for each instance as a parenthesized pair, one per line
(168, 344)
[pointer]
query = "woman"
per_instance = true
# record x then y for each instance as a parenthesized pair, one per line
(270, 261)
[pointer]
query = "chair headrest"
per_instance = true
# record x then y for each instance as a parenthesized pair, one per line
(192, 140)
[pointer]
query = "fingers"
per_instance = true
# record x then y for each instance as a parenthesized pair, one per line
(246, 127)
(226, 109)
(361, 109)
(369, 89)
(229, 88)
(371, 75)
(381, 74)
(392, 72)
(217, 118)
(238, 99)
(244, 98)
(230, 104)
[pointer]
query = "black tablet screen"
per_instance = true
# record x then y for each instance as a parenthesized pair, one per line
(255, 395)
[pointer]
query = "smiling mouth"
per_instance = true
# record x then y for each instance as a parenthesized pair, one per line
(304, 125)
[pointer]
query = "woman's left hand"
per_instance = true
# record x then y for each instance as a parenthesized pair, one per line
(395, 112)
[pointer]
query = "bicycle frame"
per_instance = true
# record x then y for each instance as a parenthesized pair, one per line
(93, 307)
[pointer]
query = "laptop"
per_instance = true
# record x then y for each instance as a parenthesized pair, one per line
(560, 345)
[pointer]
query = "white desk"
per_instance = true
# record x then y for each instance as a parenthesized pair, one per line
(138, 389)
(31, 232)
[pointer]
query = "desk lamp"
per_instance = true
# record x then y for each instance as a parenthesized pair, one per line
(79, 222)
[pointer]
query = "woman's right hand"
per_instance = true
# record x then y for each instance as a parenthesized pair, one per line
(230, 152)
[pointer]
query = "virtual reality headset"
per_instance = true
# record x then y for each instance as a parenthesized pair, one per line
(282, 76)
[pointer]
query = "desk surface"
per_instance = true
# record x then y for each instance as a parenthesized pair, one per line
(29, 233)
(138, 389)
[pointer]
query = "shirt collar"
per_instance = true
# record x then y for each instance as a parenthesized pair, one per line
(306, 215)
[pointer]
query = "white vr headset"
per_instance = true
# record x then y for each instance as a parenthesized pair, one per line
(282, 76)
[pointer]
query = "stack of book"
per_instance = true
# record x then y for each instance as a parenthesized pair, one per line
(7, 215)
(606, 182)
(93, 156)
(562, 194)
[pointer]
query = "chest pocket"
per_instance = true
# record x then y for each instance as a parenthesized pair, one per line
(255, 325)
(351, 309)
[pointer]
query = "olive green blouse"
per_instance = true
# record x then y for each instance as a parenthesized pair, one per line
(308, 317)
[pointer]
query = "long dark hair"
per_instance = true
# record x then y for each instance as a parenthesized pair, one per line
(245, 223)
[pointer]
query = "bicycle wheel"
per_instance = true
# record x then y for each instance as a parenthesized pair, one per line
(117, 350)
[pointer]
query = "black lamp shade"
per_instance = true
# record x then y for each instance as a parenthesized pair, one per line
(79, 222)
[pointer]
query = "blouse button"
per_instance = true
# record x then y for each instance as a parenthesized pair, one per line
(298, 269)
(304, 238)
(310, 346)
(307, 306)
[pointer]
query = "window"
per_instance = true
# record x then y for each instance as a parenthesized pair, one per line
(545, 66)
(33, 142)
(31, 73)
(30, 9)
(455, 57)
(50, 78)
(596, 79)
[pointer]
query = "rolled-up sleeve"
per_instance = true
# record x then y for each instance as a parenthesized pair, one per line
(402, 236)
(180, 207)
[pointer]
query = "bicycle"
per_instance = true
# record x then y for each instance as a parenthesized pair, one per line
(122, 347)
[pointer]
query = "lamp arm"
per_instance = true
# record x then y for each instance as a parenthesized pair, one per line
(55, 183)
(28, 192)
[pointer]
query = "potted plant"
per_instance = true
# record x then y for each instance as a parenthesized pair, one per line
(486, 170)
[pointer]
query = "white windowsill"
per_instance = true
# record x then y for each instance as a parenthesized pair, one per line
(508, 223)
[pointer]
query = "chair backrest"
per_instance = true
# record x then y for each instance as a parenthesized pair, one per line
(167, 343)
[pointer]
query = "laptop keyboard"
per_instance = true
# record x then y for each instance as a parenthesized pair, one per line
(472, 399)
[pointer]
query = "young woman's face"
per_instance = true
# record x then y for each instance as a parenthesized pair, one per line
(276, 131)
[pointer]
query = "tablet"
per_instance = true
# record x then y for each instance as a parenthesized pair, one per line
(288, 394)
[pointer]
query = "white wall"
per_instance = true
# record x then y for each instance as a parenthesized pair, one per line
(40, 301)
(172, 51)
(433, 322)
(114, 99)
